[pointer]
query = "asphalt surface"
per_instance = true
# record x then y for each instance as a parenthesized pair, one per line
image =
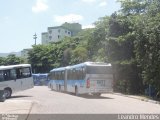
(40, 103)
(41, 100)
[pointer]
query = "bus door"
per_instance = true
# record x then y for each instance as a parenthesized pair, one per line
(26, 78)
(10, 79)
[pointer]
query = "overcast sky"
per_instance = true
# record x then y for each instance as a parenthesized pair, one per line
(21, 19)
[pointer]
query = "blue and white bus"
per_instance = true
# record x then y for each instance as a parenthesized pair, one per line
(88, 77)
(40, 79)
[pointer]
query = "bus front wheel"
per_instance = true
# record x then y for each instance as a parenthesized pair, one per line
(7, 92)
(59, 88)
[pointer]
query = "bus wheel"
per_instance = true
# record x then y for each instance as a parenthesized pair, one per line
(52, 87)
(97, 94)
(59, 88)
(76, 90)
(7, 92)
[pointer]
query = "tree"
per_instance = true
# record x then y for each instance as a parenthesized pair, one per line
(132, 7)
(46, 57)
(145, 31)
(120, 49)
(2, 61)
(12, 60)
(79, 55)
(147, 49)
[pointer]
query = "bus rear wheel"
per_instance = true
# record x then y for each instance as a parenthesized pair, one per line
(7, 92)
(51, 87)
(97, 94)
(59, 88)
(76, 90)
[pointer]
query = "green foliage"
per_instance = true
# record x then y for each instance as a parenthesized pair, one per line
(143, 38)
(130, 7)
(126, 79)
(2, 61)
(75, 28)
(46, 57)
(128, 39)
(127, 45)
(98, 38)
(79, 55)
(11, 60)
(147, 49)
(100, 57)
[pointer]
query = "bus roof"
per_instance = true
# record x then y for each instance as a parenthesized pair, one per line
(81, 65)
(14, 66)
(58, 69)
(97, 64)
(89, 64)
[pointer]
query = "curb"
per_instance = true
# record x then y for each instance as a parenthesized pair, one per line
(139, 98)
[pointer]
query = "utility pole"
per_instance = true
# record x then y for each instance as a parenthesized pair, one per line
(35, 37)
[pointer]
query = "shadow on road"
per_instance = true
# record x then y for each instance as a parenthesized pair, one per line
(19, 96)
(86, 96)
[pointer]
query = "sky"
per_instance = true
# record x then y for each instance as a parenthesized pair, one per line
(21, 19)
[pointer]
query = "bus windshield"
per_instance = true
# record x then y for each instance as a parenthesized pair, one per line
(99, 70)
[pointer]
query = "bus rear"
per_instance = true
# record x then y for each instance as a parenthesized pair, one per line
(99, 79)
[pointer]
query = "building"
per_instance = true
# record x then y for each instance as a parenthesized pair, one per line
(55, 34)
(24, 53)
(45, 38)
(75, 28)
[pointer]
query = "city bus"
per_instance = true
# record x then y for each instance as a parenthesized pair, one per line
(40, 79)
(14, 78)
(89, 77)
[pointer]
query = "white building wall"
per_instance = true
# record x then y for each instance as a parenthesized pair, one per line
(44, 38)
(24, 53)
(55, 34)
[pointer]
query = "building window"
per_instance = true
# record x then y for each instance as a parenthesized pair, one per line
(69, 33)
(50, 37)
(59, 36)
(59, 30)
(50, 31)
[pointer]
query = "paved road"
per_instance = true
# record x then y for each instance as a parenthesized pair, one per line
(47, 101)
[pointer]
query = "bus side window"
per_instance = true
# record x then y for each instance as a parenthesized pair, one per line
(62, 75)
(6, 75)
(25, 72)
(68, 74)
(83, 72)
(54, 76)
(13, 74)
(1, 76)
(9, 74)
(78, 73)
(18, 73)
